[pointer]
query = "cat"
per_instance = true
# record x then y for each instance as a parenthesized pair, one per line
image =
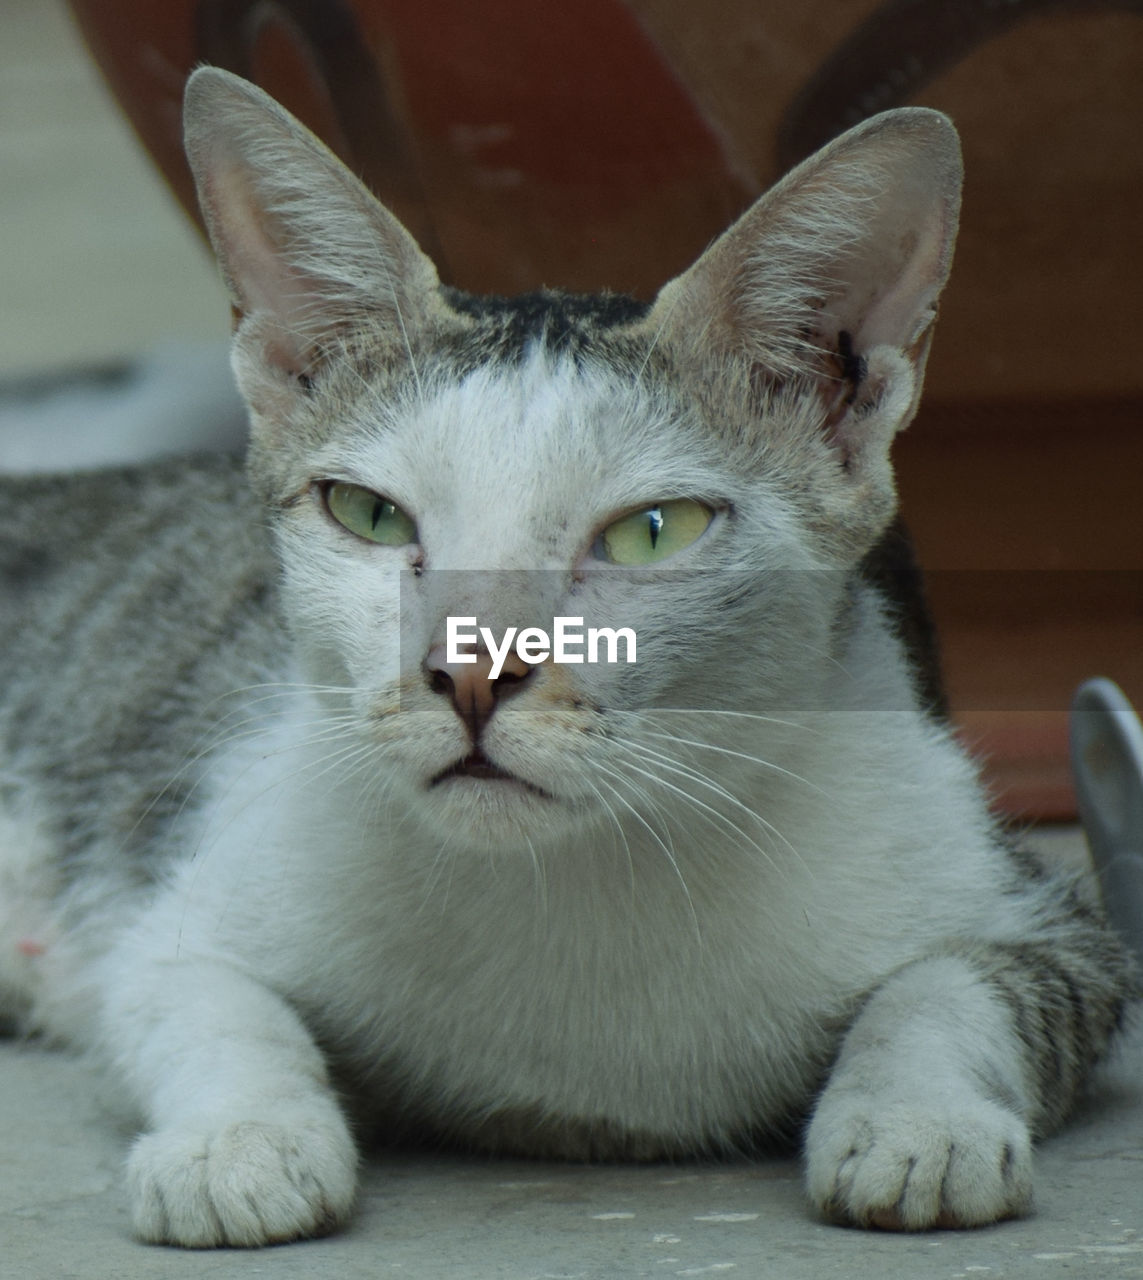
(296, 870)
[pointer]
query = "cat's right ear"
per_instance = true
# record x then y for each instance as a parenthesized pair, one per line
(306, 249)
(826, 289)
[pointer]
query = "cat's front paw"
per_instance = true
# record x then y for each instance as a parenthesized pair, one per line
(246, 1183)
(911, 1164)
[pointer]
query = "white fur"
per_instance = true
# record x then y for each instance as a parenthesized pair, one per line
(743, 963)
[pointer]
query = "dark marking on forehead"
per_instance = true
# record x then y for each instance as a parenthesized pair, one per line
(563, 323)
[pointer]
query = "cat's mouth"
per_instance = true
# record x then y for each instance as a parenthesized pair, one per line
(476, 765)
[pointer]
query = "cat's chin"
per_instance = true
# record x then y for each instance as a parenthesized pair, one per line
(477, 801)
(477, 767)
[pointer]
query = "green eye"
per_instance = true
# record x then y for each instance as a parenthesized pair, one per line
(369, 515)
(653, 534)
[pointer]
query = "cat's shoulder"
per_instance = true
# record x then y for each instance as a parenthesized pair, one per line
(51, 519)
(164, 533)
(114, 492)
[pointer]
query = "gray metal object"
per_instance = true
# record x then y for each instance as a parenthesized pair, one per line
(1107, 761)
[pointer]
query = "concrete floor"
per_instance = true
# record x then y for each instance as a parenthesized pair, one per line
(97, 263)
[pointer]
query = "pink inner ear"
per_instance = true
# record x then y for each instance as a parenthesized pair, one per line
(902, 273)
(262, 281)
(290, 358)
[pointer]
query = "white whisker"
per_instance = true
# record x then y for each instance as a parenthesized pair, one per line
(676, 766)
(607, 808)
(667, 850)
(709, 811)
(653, 713)
(740, 755)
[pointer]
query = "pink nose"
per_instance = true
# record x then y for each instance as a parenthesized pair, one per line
(470, 685)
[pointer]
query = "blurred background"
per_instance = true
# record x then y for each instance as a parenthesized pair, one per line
(98, 260)
(604, 144)
(113, 321)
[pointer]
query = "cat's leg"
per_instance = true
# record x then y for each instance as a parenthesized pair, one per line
(246, 1143)
(953, 1065)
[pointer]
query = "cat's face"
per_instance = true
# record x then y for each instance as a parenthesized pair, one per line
(687, 471)
(513, 495)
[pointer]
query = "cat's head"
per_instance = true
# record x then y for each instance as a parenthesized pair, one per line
(706, 470)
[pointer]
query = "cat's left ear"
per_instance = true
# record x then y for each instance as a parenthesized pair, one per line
(305, 247)
(829, 283)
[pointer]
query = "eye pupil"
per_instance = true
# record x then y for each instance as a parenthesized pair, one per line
(655, 524)
(379, 509)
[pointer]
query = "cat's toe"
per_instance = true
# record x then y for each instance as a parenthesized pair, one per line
(249, 1183)
(909, 1167)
